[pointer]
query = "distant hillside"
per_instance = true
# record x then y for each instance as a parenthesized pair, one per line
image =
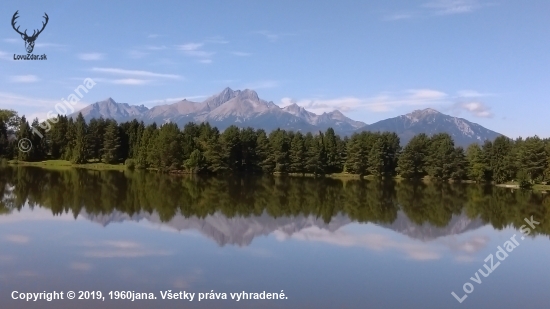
(245, 109)
(430, 121)
(242, 108)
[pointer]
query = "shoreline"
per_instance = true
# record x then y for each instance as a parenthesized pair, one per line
(65, 165)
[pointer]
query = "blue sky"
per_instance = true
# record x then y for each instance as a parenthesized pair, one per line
(486, 61)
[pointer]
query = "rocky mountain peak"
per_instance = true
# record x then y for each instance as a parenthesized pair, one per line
(248, 94)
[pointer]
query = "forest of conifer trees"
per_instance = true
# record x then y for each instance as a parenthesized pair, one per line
(201, 148)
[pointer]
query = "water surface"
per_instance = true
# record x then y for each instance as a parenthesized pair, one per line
(326, 243)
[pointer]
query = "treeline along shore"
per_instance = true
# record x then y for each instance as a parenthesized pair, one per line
(201, 148)
(137, 193)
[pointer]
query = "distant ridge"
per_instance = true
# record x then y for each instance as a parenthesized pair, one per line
(229, 107)
(430, 121)
(244, 108)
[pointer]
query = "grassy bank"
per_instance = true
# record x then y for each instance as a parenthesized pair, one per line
(63, 165)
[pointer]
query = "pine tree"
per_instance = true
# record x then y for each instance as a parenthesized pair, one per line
(460, 164)
(441, 156)
(532, 158)
(478, 167)
(264, 153)
(24, 137)
(392, 150)
(232, 147)
(111, 143)
(249, 138)
(501, 160)
(297, 154)
(95, 137)
(376, 158)
(39, 140)
(79, 151)
(280, 144)
(168, 147)
(412, 162)
(145, 140)
(215, 159)
(330, 141)
(4, 143)
(357, 155)
(196, 162)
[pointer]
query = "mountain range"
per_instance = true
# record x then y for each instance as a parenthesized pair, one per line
(245, 109)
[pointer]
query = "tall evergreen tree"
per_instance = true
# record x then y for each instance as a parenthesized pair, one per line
(79, 151)
(280, 144)
(460, 164)
(249, 138)
(357, 154)
(330, 140)
(441, 156)
(232, 147)
(264, 153)
(478, 167)
(111, 144)
(501, 160)
(532, 158)
(24, 136)
(413, 160)
(297, 154)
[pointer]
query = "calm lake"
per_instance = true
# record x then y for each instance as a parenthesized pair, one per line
(325, 243)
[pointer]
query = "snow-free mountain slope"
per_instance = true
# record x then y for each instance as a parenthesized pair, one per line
(430, 121)
(245, 108)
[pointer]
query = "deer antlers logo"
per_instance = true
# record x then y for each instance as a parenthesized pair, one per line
(29, 40)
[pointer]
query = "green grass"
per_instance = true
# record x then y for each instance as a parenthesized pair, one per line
(541, 187)
(63, 165)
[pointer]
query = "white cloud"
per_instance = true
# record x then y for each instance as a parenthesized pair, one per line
(469, 101)
(439, 8)
(24, 79)
(383, 102)
(118, 71)
(475, 108)
(39, 106)
(194, 50)
(91, 56)
(190, 46)
(130, 81)
(271, 36)
(120, 249)
(426, 94)
(372, 241)
(170, 100)
(447, 7)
